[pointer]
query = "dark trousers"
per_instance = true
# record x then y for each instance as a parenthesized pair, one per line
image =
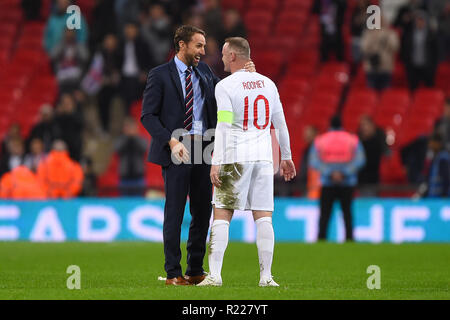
(379, 80)
(417, 75)
(179, 182)
(327, 198)
(331, 43)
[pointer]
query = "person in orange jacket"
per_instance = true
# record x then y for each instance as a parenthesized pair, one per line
(62, 176)
(20, 184)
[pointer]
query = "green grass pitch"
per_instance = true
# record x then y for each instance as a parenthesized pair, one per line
(129, 270)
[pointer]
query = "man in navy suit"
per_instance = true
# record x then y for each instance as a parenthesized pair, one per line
(180, 95)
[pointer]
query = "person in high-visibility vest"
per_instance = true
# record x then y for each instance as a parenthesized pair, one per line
(20, 184)
(338, 155)
(62, 176)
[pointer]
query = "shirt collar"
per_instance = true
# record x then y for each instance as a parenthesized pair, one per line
(180, 65)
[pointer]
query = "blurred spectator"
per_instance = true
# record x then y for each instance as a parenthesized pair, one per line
(31, 9)
(36, 154)
(437, 184)
(14, 156)
(68, 125)
(413, 156)
(232, 25)
(69, 59)
(444, 31)
(127, 10)
(405, 14)
(379, 47)
(157, 32)
(213, 57)
(131, 149)
(420, 52)
(212, 18)
(12, 134)
(56, 25)
(135, 61)
(45, 129)
(104, 22)
(195, 19)
(358, 25)
(103, 77)
(309, 134)
(20, 184)
(89, 188)
(338, 155)
(61, 176)
(442, 125)
(373, 140)
(331, 14)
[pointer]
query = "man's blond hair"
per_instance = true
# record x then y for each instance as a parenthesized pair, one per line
(239, 46)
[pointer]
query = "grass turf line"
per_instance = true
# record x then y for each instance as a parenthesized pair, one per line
(129, 270)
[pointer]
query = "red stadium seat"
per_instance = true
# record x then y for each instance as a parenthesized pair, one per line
(269, 5)
(433, 96)
(8, 30)
(110, 178)
(4, 57)
(443, 77)
(301, 70)
(13, 15)
(413, 128)
(391, 170)
(300, 5)
(394, 100)
(153, 176)
(269, 63)
(34, 28)
(259, 22)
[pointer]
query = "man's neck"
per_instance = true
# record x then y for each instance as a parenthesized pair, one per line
(239, 65)
(182, 59)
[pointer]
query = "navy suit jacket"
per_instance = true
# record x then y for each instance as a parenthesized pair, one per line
(163, 106)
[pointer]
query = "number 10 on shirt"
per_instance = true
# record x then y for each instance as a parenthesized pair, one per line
(255, 113)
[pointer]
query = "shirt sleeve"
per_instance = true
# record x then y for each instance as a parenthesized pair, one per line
(222, 98)
(224, 122)
(279, 123)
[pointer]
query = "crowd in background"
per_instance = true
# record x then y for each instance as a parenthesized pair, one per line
(110, 56)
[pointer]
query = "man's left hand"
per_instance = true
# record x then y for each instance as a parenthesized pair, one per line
(287, 170)
(214, 175)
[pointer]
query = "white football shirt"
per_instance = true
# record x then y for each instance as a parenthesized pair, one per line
(253, 99)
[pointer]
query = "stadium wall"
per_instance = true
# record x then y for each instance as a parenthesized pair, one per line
(294, 220)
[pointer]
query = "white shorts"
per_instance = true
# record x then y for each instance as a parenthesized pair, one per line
(245, 186)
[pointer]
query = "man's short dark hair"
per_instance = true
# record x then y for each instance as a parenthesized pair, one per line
(185, 33)
(239, 45)
(335, 122)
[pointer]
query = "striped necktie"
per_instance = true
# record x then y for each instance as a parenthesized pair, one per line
(189, 101)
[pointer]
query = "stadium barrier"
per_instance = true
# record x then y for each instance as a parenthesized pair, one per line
(295, 220)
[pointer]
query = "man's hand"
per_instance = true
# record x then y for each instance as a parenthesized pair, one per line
(179, 150)
(214, 175)
(287, 170)
(337, 176)
(250, 66)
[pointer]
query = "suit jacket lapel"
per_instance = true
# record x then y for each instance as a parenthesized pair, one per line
(176, 80)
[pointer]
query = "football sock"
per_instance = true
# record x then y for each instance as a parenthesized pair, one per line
(265, 242)
(218, 244)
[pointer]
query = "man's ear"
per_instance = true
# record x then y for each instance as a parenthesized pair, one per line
(181, 44)
(233, 56)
